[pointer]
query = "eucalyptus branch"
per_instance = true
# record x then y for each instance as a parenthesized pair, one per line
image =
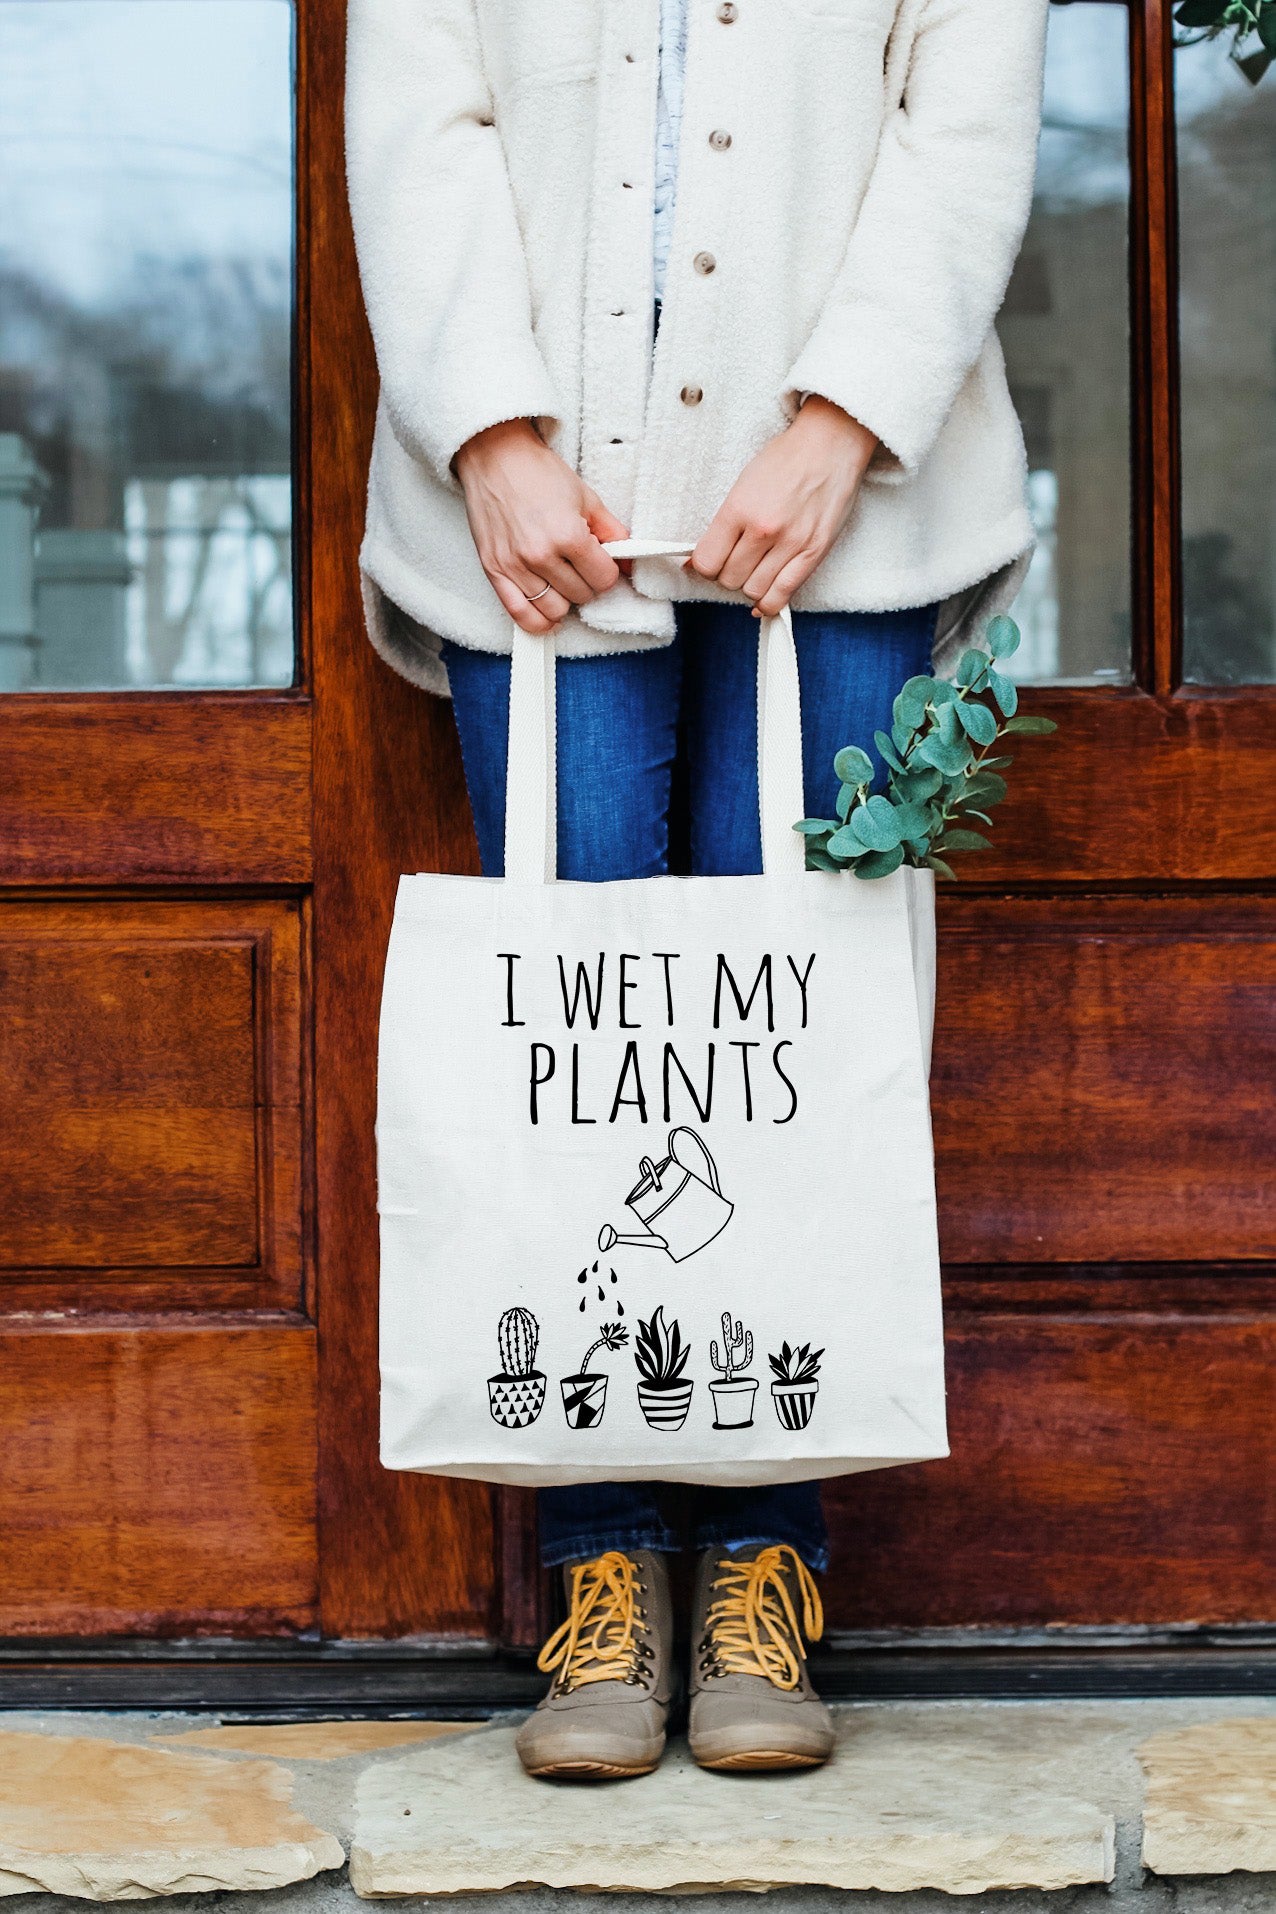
(941, 774)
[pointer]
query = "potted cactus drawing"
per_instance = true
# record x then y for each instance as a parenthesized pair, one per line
(733, 1397)
(664, 1394)
(796, 1383)
(516, 1394)
(585, 1393)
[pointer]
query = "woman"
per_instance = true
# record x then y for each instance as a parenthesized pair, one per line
(810, 210)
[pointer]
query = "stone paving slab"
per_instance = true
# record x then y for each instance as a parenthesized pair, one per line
(1210, 1804)
(313, 1740)
(109, 1822)
(913, 1798)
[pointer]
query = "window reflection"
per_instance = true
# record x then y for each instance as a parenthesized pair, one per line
(1065, 330)
(1227, 328)
(145, 340)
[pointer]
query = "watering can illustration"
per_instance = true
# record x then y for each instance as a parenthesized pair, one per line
(679, 1201)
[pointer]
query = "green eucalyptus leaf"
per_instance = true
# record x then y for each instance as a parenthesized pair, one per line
(903, 736)
(912, 700)
(815, 826)
(941, 692)
(1029, 725)
(1003, 690)
(853, 766)
(912, 820)
(845, 843)
(880, 863)
(986, 787)
(962, 841)
(916, 786)
(972, 667)
(977, 721)
(875, 825)
(887, 751)
(950, 758)
(846, 796)
(818, 860)
(1003, 636)
(938, 865)
(995, 764)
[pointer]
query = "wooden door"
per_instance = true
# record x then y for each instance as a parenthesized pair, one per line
(197, 854)
(1106, 1036)
(197, 885)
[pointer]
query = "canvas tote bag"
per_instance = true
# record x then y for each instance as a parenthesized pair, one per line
(655, 1173)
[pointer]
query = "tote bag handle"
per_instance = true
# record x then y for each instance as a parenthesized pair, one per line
(531, 807)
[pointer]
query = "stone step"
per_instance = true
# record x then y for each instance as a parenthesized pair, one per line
(1042, 1804)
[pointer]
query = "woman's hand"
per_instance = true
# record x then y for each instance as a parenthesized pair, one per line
(535, 523)
(787, 507)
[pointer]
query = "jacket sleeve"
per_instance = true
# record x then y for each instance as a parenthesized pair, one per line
(937, 233)
(440, 254)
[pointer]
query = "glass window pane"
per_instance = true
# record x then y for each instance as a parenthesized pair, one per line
(145, 343)
(1227, 329)
(1065, 330)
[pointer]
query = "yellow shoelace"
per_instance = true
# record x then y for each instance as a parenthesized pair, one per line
(602, 1639)
(752, 1628)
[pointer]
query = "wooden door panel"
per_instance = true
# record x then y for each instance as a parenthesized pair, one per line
(157, 1479)
(1102, 1471)
(1102, 1080)
(162, 787)
(1137, 789)
(150, 1134)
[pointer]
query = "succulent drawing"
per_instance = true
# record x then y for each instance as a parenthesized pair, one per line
(661, 1355)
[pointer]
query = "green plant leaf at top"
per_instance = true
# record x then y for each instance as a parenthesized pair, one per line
(853, 766)
(973, 666)
(1002, 636)
(912, 699)
(1003, 690)
(1029, 725)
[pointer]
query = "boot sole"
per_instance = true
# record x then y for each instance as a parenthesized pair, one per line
(760, 1761)
(590, 1770)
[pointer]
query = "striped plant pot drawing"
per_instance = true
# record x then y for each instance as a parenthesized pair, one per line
(796, 1384)
(794, 1402)
(665, 1407)
(664, 1393)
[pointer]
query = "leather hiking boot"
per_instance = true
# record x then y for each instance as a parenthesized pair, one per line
(752, 1703)
(612, 1663)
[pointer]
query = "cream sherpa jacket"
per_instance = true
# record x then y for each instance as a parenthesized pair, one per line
(852, 238)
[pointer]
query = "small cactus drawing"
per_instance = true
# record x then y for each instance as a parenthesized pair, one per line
(516, 1395)
(733, 1396)
(517, 1336)
(741, 1339)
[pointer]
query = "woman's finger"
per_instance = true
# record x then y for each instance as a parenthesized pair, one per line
(539, 618)
(768, 569)
(748, 553)
(547, 565)
(716, 545)
(786, 582)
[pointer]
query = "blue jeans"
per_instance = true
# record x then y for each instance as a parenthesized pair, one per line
(622, 721)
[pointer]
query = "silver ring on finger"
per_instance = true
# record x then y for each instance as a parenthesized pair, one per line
(531, 597)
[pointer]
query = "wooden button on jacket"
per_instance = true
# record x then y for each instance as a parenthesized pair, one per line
(853, 238)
